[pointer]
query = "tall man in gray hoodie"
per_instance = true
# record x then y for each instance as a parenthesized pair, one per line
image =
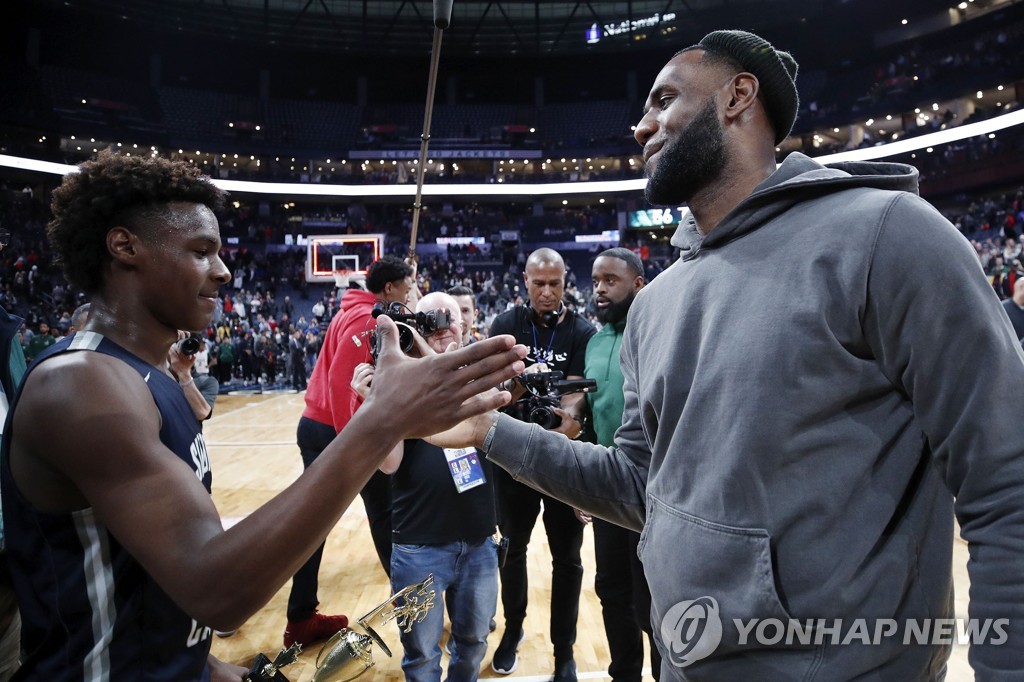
(807, 404)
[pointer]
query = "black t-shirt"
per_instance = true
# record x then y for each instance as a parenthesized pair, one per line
(426, 507)
(563, 348)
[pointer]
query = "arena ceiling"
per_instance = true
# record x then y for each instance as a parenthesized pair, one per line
(497, 27)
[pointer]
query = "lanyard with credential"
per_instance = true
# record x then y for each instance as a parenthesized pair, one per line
(547, 353)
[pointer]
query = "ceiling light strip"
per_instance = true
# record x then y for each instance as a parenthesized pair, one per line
(546, 189)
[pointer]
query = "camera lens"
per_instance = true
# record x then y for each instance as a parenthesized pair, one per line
(545, 417)
(405, 338)
(188, 346)
(405, 341)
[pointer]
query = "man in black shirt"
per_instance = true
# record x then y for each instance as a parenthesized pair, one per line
(557, 341)
(442, 521)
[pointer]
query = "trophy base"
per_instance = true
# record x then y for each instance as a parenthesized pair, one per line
(258, 671)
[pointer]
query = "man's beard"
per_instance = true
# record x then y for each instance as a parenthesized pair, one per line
(690, 162)
(616, 311)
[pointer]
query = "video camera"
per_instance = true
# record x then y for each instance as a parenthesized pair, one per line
(545, 391)
(425, 323)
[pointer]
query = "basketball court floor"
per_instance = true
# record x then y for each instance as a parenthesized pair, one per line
(251, 440)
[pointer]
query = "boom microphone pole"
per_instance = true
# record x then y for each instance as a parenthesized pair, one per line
(442, 18)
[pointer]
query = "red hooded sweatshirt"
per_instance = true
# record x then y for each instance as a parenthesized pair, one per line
(329, 397)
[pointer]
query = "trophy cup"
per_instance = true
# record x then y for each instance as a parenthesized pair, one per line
(348, 654)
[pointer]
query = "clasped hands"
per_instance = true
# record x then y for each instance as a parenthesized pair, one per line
(434, 392)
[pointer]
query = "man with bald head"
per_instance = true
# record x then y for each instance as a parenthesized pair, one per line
(442, 523)
(801, 421)
(557, 341)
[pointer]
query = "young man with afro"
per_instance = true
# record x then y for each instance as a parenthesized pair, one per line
(117, 554)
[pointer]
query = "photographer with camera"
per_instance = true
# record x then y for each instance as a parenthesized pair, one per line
(330, 403)
(557, 341)
(424, 323)
(443, 521)
(181, 360)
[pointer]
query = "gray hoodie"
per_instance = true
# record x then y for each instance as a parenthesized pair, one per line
(806, 390)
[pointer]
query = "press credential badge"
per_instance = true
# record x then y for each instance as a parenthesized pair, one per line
(464, 465)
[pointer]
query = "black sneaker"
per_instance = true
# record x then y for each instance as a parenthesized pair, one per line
(506, 658)
(565, 671)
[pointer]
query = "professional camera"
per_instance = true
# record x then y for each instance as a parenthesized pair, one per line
(189, 345)
(425, 323)
(545, 390)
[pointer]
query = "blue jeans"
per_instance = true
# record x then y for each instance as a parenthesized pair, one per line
(466, 582)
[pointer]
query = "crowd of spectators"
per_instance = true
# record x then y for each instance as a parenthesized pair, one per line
(937, 66)
(268, 324)
(994, 225)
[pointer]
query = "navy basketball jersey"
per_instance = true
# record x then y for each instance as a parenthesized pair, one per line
(89, 610)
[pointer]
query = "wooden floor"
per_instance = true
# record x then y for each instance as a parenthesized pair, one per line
(252, 447)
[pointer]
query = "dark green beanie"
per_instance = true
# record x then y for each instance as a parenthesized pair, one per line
(775, 71)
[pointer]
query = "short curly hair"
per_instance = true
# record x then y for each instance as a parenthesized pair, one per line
(384, 270)
(110, 190)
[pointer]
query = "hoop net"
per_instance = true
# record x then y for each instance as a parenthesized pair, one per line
(342, 277)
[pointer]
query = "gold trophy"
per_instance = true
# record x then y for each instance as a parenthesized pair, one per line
(348, 654)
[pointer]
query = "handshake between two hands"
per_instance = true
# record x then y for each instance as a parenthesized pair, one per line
(430, 394)
(446, 397)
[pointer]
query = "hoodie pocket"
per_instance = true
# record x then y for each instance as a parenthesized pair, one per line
(710, 582)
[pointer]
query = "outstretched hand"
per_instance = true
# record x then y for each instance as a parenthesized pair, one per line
(431, 394)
